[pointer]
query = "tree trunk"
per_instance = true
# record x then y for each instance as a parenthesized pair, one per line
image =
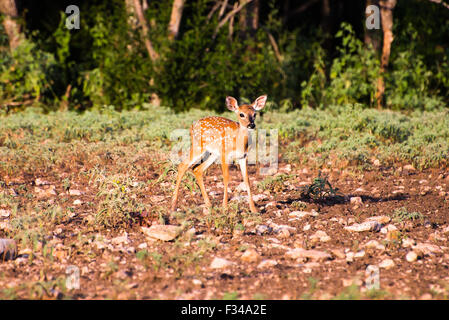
(12, 27)
(386, 13)
(249, 19)
(175, 19)
(372, 36)
(143, 23)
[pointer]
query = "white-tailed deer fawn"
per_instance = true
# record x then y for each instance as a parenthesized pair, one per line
(215, 138)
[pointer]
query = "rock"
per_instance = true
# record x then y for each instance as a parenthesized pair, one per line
(338, 253)
(376, 162)
(197, 282)
(143, 245)
(426, 249)
(120, 240)
(350, 256)
(411, 256)
(5, 213)
(446, 230)
(306, 227)
(299, 253)
(259, 197)
(373, 244)
(74, 192)
(356, 200)
(302, 214)
(408, 242)
(386, 264)
(45, 192)
(220, 263)
(284, 233)
(321, 236)
(40, 182)
(365, 226)
(162, 232)
(426, 296)
(157, 199)
(241, 187)
(5, 225)
(267, 264)
(379, 219)
(359, 254)
(278, 228)
(408, 167)
(77, 202)
(263, 229)
(250, 255)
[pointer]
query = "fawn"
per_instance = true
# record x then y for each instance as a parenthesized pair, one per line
(215, 138)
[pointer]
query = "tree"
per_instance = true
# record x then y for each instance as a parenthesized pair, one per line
(386, 13)
(175, 19)
(12, 27)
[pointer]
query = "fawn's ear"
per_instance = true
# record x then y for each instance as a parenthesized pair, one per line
(232, 103)
(259, 103)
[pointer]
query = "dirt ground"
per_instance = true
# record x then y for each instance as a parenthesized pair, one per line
(296, 248)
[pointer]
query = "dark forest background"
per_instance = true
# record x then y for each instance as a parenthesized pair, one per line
(193, 53)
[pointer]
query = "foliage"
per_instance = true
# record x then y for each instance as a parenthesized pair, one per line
(26, 74)
(319, 189)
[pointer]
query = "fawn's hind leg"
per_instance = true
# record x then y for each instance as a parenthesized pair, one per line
(182, 168)
(198, 172)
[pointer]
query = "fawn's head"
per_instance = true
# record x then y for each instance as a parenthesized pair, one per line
(246, 113)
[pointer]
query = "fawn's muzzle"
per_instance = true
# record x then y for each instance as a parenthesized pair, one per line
(251, 126)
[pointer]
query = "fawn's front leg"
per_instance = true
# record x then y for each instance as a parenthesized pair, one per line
(244, 169)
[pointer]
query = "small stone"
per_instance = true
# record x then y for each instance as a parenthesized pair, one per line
(299, 253)
(359, 254)
(162, 232)
(120, 240)
(250, 255)
(263, 229)
(338, 253)
(426, 249)
(197, 282)
(267, 264)
(408, 242)
(350, 256)
(40, 182)
(426, 296)
(143, 245)
(157, 199)
(409, 167)
(306, 227)
(446, 230)
(300, 214)
(259, 197)
(356, 200)
(321, 236)
(241, 187)
(379, 219)
(5, 213)
(386, 264)
(411, 256)
(5, 225)
(376, 162)
(220, 263)
(74, 192)
(77, 202)
(365, 226)
(284, 233)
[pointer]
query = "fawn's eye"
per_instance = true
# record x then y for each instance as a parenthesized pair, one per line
(242, 115)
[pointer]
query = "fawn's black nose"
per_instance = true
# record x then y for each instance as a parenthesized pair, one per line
(251, 126)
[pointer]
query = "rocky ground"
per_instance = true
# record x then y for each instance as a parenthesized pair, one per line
(384, 236)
